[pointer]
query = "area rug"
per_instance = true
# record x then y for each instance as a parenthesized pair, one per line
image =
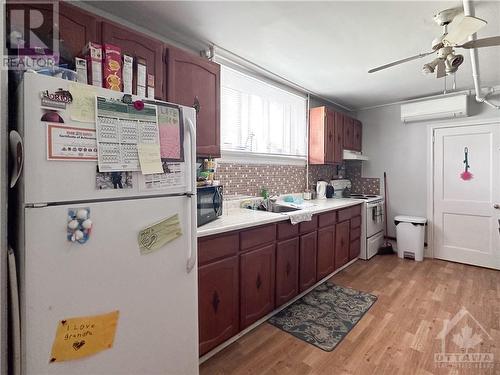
(324, 316)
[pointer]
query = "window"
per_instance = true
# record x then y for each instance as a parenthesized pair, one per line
(261, 118)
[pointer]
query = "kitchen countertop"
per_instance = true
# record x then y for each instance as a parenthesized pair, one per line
(244, 218)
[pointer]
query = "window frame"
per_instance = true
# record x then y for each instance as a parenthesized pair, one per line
(255, 157)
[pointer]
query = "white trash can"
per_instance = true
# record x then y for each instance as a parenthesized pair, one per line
(410, 234)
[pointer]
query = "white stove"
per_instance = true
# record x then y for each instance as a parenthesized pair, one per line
(372, 218)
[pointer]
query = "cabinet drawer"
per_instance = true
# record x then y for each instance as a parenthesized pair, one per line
(327, 219)
(216, 247)
(355, 233)
(344, 214)
(309, 226)
(287, 230)
(356, 210)
(257, 236)
(356, 222)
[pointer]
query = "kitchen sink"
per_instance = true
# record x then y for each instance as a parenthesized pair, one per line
(280, 209)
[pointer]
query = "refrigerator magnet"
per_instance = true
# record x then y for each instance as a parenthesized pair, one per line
(79, 225)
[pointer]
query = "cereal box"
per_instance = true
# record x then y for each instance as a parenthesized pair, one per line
(112, 67)
(93, 55)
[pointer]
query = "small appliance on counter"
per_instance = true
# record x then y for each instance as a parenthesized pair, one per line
(209, 204)
(321, 189)
(341, 188)
(329, 191)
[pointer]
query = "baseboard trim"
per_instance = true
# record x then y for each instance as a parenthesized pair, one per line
(265, 318)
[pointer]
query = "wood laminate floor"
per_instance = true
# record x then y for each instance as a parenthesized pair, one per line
(397, 335)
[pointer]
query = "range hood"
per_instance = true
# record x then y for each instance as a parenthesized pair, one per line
(354, 155)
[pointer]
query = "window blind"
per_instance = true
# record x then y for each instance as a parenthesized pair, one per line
(261, 118)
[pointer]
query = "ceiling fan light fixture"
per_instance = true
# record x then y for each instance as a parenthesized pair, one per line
(430, 67)
(453, 62)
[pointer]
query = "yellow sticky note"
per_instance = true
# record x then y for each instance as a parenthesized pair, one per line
(149, 158)
(82, 108)
(83, 336)
(154, 237)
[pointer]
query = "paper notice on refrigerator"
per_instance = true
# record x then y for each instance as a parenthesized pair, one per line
(149, 158)
(71, 143)
(83, 336)
(173, 176)
(158, 235)
(171, 130)
(82, 108)
(120, 128)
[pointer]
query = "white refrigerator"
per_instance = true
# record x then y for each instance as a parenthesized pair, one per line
(155, 293)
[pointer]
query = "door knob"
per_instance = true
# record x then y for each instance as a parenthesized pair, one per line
(496, 206)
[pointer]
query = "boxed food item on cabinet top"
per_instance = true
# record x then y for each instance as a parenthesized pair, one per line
(128, 71)
(93, 54)
(112, 67)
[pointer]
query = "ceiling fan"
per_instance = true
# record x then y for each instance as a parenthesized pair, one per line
(447, 61)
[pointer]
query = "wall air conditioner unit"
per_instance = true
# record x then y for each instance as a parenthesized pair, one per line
(437, 108)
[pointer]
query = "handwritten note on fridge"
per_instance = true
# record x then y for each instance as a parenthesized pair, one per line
(84, 336)
(158, 235)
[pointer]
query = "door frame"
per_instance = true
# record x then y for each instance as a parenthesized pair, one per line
(430, 170)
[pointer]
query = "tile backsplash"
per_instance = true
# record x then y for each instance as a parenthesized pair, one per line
(249, 179)
(362, 185)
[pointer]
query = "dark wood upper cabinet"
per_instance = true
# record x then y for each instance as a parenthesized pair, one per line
(218, 303)
(76, 27)
(307, 260)
(257, 284)
(139, 46)
(326, 252)
(287, 270)
(348, 133)
(195, 82)
(357, 135)
(338, 134)
(342, 243)
(321, 136)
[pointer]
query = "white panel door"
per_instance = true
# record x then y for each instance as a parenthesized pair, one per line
(466, 212)
(157, 330)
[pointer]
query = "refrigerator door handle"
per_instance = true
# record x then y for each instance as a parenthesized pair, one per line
(17, 154)
(193, 240)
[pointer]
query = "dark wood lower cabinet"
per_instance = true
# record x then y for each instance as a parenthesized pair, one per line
(354, 249)
(326, 252)
(257, 284)
(218, 303)
(245, 274)
(307, 260)
(287, 270)
(342, 243)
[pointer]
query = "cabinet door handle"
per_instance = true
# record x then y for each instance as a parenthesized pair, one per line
(288, 268)
(215, 301)
(197, 105)
(496, 206)
(330, 136)
(258, 283)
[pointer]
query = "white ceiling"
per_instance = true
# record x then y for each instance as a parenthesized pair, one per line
(326, 47)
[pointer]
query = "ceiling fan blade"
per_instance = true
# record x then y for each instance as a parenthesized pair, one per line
(400, 62)
(468, 26)
(484, 42)
(440, 69)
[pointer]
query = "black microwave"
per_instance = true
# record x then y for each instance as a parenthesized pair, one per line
(209, 203)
